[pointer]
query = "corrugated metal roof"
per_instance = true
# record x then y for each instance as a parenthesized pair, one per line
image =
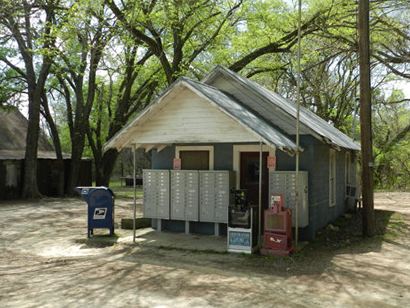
(243, 115)
(270, 112)
(273, 100)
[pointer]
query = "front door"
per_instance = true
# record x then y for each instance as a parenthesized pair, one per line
(249, 176)
(194, 160)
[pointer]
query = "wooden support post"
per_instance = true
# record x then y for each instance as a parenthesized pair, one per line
(187, 227)
(135, 191)
(260, 195)
(216, 229)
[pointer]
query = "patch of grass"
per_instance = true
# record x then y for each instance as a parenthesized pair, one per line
(127, 223)
(124, 191)
(395, 227)
(99, 241)
(347, 231)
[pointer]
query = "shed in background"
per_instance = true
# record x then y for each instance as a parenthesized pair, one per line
(51, 173)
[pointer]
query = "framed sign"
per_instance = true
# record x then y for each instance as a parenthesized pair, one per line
(271, 162)
(177, 164)
(240, 239)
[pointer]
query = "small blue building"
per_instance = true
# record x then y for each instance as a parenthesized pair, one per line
(224, 123)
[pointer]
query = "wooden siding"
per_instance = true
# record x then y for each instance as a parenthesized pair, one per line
(185, 118)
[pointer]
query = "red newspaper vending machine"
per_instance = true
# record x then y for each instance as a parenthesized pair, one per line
(277, 238)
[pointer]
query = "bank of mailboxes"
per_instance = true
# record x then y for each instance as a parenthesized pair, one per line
(156, 193)
(184, 195)
(284, 183)
(192, 195)
(214, 195)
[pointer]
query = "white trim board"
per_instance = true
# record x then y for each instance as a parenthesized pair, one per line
(237, 149)
(209, 148)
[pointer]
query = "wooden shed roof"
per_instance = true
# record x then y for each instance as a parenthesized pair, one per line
(13, 130)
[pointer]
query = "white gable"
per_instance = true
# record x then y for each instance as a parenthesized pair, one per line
(185, 117)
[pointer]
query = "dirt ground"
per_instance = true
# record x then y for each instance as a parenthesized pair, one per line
(46, 260)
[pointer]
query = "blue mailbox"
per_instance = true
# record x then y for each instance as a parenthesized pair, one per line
(100, 201)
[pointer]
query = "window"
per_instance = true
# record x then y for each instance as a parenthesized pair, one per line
(11, 174)
(332, 177)
(205, 156)
(348, 172)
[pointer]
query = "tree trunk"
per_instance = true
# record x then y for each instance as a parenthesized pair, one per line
(57, 144)
(30, 187)
(107, 165)
(77, 138)
(76, 156)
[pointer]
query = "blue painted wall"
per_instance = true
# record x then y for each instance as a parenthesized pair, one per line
(163, 159)
(223, 159)
(314, 159)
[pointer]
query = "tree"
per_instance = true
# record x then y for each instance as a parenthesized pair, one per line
(134, 90)
(392, 124)
(177, 37)
(84, 36)
(28, 25)
(176, 32)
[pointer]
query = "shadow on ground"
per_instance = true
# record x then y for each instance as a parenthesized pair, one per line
(41, 264)
(98, 241)
(342, 237)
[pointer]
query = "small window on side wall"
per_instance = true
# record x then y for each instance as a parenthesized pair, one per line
(11, 174)
(332, 177)
(348, 172)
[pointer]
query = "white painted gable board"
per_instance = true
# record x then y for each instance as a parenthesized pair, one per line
(187, 118)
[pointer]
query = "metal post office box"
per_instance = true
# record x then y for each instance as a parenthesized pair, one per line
(156, 193)
(284, 182)
(100, 201)
(177, 195)
(185, 195)
(206, 196)
(215, 195)
(163, 195)
(192, 195)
